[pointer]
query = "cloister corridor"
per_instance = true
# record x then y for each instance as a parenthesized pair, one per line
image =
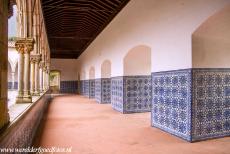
(115, 76)
(91, 128)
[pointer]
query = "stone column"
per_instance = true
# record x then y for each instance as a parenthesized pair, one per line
(20, 48)
(24, 46)
(41, 64)
(48, 75)
(28, 48)
(32, 75)
(48, 78)
(36, 75)
(44, 78)
(4, 116)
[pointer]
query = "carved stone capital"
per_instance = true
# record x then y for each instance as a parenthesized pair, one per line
(48, 66)
(41, 64)
(29, 45)
(36, 58)
(19, 47)
(24, 45)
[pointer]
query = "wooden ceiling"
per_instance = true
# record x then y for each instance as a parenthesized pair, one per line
(73, 24)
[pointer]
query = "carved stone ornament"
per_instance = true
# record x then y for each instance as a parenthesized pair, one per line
(36, 58)
(24, 45)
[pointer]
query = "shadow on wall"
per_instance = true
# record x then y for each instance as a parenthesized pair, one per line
(211, 42)
(131, 93)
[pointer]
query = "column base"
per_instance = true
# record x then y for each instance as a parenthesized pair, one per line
(21, 100)
(27, 99)
(36, 93)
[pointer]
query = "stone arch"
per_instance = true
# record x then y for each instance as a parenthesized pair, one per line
(138, 61)
(92, 73)
(55, 81)
(210, 41)
(106, 69)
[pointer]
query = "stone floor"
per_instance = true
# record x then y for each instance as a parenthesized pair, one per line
(92, 128)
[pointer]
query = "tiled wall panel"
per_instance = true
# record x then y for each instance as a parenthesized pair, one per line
(98, 90)
(117, 93)
(68, 87)
(192, 104)
(92, 88)
(82, 87)
(171, 102)
(211, 103)
(137, 94)
(131, 94)
(105, 90)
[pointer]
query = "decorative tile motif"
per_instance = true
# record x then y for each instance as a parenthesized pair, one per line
(131, 94)
(106, 90)
(137, 94)
(86, 88)
(98, 90)
(193, 104)
(117, 93)
(211, 103)
(68, 86)
(92, 89)
(103, 90)
(171, 102)
(82, 87)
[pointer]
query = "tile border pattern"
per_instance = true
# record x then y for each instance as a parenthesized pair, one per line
(131, 94)
(137, 93)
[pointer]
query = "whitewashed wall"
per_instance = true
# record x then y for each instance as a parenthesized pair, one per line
(166, 26)
(68, 68)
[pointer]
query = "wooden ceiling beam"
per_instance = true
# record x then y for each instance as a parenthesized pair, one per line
(76, 23)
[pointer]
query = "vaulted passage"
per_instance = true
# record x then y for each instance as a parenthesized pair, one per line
(92, 128)
(115, 76)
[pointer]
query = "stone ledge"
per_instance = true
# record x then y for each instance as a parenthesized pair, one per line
(21, 130)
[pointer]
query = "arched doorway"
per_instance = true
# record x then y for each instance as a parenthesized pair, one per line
(55, 81)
